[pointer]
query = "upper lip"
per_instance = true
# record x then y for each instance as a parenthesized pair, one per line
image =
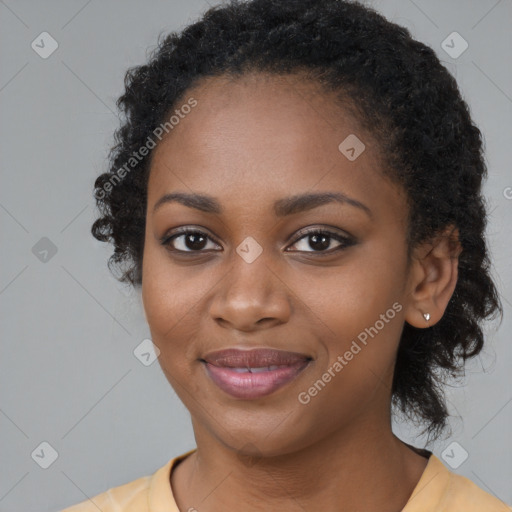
(255, 358)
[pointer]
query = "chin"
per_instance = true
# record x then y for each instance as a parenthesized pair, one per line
(270, 439)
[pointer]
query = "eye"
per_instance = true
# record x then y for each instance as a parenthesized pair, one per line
(320, 239)
(187, 240)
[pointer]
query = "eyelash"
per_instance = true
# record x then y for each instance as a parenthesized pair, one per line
(345, 241)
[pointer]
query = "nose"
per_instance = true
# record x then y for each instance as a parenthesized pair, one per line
(252, 296)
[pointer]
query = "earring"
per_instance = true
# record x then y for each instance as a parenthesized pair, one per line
(426, 316)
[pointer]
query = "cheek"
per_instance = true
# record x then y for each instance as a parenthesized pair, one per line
(166, 291)
(169, 313)
(165, 304)
(347, 299)
(356, 360)
(357, 315)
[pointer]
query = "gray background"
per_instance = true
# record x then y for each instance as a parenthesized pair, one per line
(68, 372)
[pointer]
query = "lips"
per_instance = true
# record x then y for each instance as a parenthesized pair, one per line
(256, 358)
(250, 374)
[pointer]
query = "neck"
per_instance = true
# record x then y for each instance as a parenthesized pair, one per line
(368, 468)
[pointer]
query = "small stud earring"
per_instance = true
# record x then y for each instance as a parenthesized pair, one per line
(426, 316)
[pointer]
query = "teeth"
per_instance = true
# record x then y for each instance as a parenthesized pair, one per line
(256, 370)
(265, 369)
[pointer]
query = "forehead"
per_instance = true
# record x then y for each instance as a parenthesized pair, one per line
(265, 135)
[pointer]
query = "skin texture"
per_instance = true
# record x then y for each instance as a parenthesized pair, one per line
(248, 143)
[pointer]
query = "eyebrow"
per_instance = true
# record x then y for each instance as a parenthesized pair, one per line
(282, 207)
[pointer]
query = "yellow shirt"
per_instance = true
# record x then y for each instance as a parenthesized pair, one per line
(438, 490)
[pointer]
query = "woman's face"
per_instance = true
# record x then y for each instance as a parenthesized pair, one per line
(262, 277)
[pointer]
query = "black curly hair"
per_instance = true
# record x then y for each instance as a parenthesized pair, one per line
(401, 94)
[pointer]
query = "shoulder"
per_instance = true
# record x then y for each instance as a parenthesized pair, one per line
(442, 490)
(463, 494)
(132, 496)
(142, 495)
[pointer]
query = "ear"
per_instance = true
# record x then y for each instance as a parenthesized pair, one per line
(433, 277)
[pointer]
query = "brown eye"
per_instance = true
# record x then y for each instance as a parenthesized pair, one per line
(321, 240)
(187, 240)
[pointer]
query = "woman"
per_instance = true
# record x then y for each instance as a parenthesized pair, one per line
(296, 191)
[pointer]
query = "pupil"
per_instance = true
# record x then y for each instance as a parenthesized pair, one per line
(195, 244)
(324, 244)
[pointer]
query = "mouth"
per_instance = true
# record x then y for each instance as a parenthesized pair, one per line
(251, 374)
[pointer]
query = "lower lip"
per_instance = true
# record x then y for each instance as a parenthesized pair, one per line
(253, 385)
